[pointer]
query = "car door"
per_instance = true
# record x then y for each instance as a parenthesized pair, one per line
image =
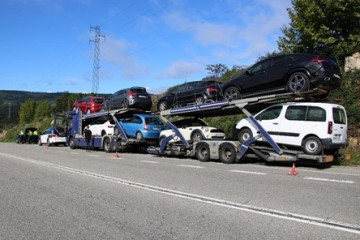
(132, 125)
(255, 77)
(115, 102)
(270, 119)
(276, 73)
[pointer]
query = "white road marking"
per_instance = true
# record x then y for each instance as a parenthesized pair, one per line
(322, 222)
(248, 172)
(328, 180)
(190, 166)
(146, 161)
(93, 155)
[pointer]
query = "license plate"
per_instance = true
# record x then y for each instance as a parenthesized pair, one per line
(336, 75)
(142, 96)
(156, 128)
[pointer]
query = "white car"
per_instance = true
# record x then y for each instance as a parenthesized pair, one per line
(53, 136)
(193, 130)
(317, 128)
(102, 126)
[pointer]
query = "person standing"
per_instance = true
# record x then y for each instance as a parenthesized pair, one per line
(87, 133)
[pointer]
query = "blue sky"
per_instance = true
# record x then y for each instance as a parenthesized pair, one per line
(150, 43)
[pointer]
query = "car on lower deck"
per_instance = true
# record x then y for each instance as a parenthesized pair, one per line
(142, 126)
(193, 130)
(53, 136)
(102, 126)
(316, 128)
(285, 73)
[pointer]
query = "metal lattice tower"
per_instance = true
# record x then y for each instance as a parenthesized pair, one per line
(96, 65)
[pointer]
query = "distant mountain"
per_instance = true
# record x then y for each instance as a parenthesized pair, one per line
(10, 102)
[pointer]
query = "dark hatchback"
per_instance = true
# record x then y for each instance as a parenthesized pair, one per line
(134, 97)
(197, 92)
(285, 73)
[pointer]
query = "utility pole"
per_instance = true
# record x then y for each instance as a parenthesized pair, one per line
(96, 66)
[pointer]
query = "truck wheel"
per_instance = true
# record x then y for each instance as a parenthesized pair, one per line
(72, 144)
(227, 153)
(244, 135)
(203, 152)
(298, 82)
(107, 145)
(312, 145)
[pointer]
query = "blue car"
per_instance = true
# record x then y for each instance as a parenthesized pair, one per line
(142, 126)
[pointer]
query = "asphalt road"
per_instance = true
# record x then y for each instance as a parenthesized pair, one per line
(59, 193)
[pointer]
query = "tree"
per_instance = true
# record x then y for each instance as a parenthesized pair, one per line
(43, 109)
(324, 27)
(216, 70)
(26, 113)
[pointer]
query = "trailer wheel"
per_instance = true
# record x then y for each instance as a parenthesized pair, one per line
(139, 137)
(72, 144)
(203, 152)
(312, 145)
(197, 136)
(107, 145)
(227, 153)
(244, 135)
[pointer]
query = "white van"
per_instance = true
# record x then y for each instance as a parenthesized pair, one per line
(317, 128)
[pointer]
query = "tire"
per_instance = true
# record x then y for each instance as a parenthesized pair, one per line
(139, 137)
(227, 153)
(199, 100)
(107, 145)
(196, 137)
(48, 143)
(125, 103)
(203, 152)
(72, 144)
(103, 133)
(39, 142)
(162, 106)
(298, 82)
(312, 145)
(232, 93)
(244, 135)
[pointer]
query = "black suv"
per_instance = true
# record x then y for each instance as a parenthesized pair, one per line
(196, 92)
(285, 73)
(134, 97)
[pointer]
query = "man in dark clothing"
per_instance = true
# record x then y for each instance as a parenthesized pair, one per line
(87, 133)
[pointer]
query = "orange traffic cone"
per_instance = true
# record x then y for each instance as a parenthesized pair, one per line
(116, 155)
(293, 171)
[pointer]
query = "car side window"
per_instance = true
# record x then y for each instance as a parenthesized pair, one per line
(136, 119)
(270, 113)
(261, 66)
(316, 114)
(296, 113)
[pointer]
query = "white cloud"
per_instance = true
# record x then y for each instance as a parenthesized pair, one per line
(182, 69)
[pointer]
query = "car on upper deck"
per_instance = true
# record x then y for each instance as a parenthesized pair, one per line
(89, 104)
(285, 73)
(134, 97)
(196, 92)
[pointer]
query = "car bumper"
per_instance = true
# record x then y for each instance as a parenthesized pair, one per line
(326, 80)
(328, 144)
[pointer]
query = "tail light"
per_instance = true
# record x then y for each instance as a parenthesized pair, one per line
(330, 127)
(145, 126)
(132, 94)
(110, 126)
(53, 135)
(211, 89)
(319, 59)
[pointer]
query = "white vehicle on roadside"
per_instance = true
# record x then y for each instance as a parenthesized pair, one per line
(193, 130)
(53, 136)
(102, 126)
(317, 128)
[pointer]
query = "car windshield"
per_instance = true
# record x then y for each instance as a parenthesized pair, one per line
(189, 123)
(139, 90)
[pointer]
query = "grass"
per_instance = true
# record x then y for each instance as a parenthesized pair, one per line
(350, 157)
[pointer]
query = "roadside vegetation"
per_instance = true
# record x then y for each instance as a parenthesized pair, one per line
(323, 27)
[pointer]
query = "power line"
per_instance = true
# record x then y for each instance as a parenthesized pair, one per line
(96, 65)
